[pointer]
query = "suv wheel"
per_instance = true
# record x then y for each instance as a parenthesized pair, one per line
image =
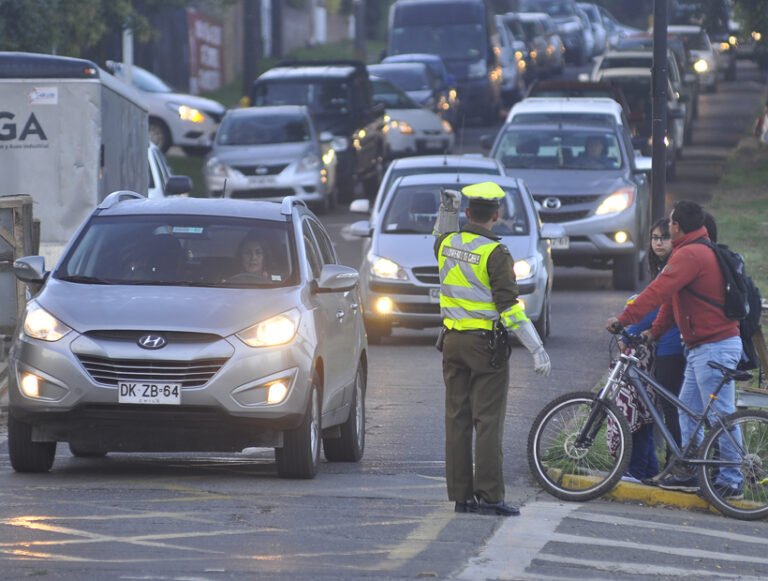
(26, 455)
(159, 134)
(626, 272)
(350, 446)
(300, 455)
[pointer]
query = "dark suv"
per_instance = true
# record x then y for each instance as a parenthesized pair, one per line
(338, 94)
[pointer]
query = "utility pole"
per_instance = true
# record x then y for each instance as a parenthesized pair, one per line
(277, 28)
(360, 54)
(311, 11)
(659, 112)
(251, 43)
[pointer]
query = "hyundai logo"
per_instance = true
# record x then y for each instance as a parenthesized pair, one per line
(552, 203)
(152, 342)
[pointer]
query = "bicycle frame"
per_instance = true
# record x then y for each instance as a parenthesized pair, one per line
(626, 368)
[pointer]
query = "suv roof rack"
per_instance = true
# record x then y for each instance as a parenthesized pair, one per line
(358, 65)
(119, 196)
(289, 202)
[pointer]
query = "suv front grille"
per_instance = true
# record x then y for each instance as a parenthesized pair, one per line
(427, 274)
(563, 216)
(188, 373)
(568, 200)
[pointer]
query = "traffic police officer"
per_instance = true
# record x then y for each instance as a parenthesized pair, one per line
(477, 291)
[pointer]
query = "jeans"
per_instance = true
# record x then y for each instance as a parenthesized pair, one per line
(699, 382)
(643, 463)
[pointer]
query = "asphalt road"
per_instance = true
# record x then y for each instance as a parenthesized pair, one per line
(227, 516)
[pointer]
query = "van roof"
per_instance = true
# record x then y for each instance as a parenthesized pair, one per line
(589, 105)
(23, 65)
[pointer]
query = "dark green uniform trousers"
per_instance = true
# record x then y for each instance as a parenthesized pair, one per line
(475, 397)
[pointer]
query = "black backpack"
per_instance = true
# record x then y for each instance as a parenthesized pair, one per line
(742, 299)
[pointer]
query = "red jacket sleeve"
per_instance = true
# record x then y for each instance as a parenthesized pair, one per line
(680, 271)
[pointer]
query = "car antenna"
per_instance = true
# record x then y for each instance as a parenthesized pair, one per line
(224, 189)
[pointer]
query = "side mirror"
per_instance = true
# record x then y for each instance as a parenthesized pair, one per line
(552, 231)
(30, 269)
(336, 278)
(361, 229)
(326, 136)
(643, 164)
(361, 206)
(486, 141)
(177, 185)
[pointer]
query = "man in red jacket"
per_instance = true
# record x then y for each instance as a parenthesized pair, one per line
(707, 333)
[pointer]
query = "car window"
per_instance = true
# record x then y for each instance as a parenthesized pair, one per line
(561, 148)
(413, 210)
(322, 97)
(262, 129)
(313, 252)
(408, 79)
(392, 97)
(324, 244)
(560, 117)
(182, 251)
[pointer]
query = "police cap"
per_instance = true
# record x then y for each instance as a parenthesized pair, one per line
(484, 192)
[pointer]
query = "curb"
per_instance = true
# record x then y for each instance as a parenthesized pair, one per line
(654, 496)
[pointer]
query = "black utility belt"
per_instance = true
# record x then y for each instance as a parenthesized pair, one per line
(479, 332)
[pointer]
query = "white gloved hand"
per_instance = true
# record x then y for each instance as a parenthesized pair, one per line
(527, 335)
(541, 362)
(448, 214)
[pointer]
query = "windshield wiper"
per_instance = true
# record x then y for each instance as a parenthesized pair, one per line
(85, 279)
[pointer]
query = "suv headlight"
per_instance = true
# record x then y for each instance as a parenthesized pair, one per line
(618, 201)
(478, 69)
(186, 113)
(213, 167)
(309, 162)
(525, 268)
(385, 268)
(40, 324)
(701, 66)
(277, 330)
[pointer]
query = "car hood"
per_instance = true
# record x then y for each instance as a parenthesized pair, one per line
(162, 308)
(565, 182)
(420, 119)
(417, 250)
(200, 103)
(260, 154)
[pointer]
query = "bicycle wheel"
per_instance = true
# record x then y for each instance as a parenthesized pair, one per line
(750, 500)
(585, 472)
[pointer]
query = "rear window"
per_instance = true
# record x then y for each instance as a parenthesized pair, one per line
(182, 251)
(587, 118)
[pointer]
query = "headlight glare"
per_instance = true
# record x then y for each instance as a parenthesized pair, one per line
(525, 268)
(40, 324)
(187, 113)
(276, 330)
(618, 201)
(701, 66)
(386, 268)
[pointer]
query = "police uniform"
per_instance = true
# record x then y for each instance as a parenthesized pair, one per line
(477, 287)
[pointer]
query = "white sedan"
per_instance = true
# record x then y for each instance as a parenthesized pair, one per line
(410, 129)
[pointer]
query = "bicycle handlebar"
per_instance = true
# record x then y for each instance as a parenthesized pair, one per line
(630, 340)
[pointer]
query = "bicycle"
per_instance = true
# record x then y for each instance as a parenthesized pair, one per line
(569, 456)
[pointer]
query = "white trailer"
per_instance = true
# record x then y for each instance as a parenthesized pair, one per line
(70, 134)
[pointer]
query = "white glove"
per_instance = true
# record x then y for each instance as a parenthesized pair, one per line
(448, 214)
(527, 335)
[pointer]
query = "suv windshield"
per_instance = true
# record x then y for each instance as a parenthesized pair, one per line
(413, 210)
(557, 8)
(262, 129)
(323, 97)
(561, 148)
(182, 251)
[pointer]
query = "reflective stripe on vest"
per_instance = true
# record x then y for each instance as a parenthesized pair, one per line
(466, 301)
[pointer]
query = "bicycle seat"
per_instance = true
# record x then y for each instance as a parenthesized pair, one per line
(732, 373)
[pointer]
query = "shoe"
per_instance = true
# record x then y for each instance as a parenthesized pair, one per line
(497, 508)
(650, 481)
(728, 492)
(629, 478)
(465, 506)
(672, 482)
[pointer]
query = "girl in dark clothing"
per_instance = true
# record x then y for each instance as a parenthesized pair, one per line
(670, 361)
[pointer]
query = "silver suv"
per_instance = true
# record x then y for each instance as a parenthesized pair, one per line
(189, 324)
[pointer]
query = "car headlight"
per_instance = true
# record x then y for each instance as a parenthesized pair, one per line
(186, 113)
(701, 66)
(277, 330)
(525, 268)
(385, 268)
(478, 69)
(213, 167)
(40, 324)
(402, 127)
(618, 201)
(309, 162)
(447, 127)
